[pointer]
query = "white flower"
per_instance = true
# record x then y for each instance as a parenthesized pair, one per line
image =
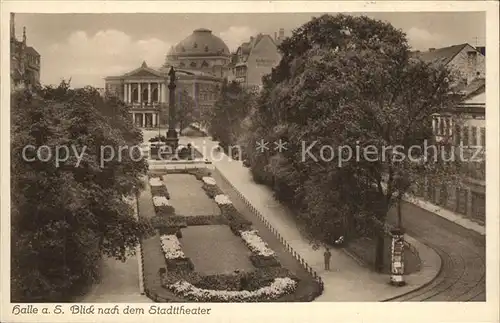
(255, 243)
(208, 180)
(155, 181)
(279, 287)
(222, 199)
(171, 247)
(160, 201)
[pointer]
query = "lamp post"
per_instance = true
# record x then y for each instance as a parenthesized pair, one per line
(172, 138)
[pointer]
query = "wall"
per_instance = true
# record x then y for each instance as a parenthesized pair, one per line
(263, 57)
(470, 71)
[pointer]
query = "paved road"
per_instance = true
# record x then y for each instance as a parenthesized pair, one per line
(462, 276)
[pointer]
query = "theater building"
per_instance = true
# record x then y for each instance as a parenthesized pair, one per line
(201, 63)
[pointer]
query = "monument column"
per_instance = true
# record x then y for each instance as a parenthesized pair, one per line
(172, 139)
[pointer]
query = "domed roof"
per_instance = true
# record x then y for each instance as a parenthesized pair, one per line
(201, 43)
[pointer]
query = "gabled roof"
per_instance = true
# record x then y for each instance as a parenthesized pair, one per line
(32, 51)
(143, 71)
(440, 55)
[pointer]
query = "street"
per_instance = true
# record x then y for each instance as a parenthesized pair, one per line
(462, 276)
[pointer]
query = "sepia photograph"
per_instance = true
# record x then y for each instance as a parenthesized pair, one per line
(212, 157)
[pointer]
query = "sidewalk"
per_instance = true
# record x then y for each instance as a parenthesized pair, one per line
(348, 281)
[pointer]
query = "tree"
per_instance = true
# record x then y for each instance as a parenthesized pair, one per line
(65, 216)
(228, 113)
(185, 109)
(348, 83)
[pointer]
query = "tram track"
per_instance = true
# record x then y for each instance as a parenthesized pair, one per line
(462, 252)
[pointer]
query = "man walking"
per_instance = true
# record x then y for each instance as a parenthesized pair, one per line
(327, 255)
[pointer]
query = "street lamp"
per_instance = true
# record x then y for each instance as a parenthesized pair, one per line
(172, 138)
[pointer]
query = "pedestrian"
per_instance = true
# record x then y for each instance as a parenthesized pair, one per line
(327, 255)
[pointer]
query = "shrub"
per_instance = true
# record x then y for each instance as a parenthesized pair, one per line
(205, 220)
(160, 191)
(212, 190)
(230, 282)
(165, 210)
(180, 265)
(260, 261)
(162, 222)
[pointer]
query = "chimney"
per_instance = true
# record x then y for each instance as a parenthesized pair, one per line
(12, 25)
(432, 49)
(282, 33)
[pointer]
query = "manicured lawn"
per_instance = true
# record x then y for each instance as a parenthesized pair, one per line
(214, 249)
(187, 196)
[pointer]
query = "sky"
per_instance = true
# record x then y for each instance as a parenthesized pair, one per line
(89, 47)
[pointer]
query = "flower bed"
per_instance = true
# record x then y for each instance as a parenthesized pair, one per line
(222, 199)
(256, 244)
(261, 256)
(174, 256)
(155, 181)
(171, 247)
(208, 180)
(278, 288)
(160, 201)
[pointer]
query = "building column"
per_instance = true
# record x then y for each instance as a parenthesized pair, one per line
(158, 86)
(125, 94)
(154, 120)
(144, 120)
(139, 92)
(133, 118)
(157, 119)
(129, 92)
(149, 93)
(163, 93)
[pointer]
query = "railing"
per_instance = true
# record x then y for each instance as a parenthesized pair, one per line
(285, 243)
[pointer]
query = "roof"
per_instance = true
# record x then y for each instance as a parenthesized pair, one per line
(440, 55)
(200, 42)
(476, 87)
(32, 51)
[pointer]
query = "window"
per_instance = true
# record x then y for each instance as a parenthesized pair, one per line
(182, 64)
(441, 126)
(474, 136)
(195, 45)
(204, 64)
(466, 136)
(193, 64)
(206, 48)
(483, 136)
(183, 49)
(458, 135)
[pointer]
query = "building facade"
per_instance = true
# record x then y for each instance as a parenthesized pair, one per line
(255, 59)
(25, 61)
(463, 126)
(201, 62)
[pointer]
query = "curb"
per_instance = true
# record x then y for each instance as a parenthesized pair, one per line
(438, 272)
